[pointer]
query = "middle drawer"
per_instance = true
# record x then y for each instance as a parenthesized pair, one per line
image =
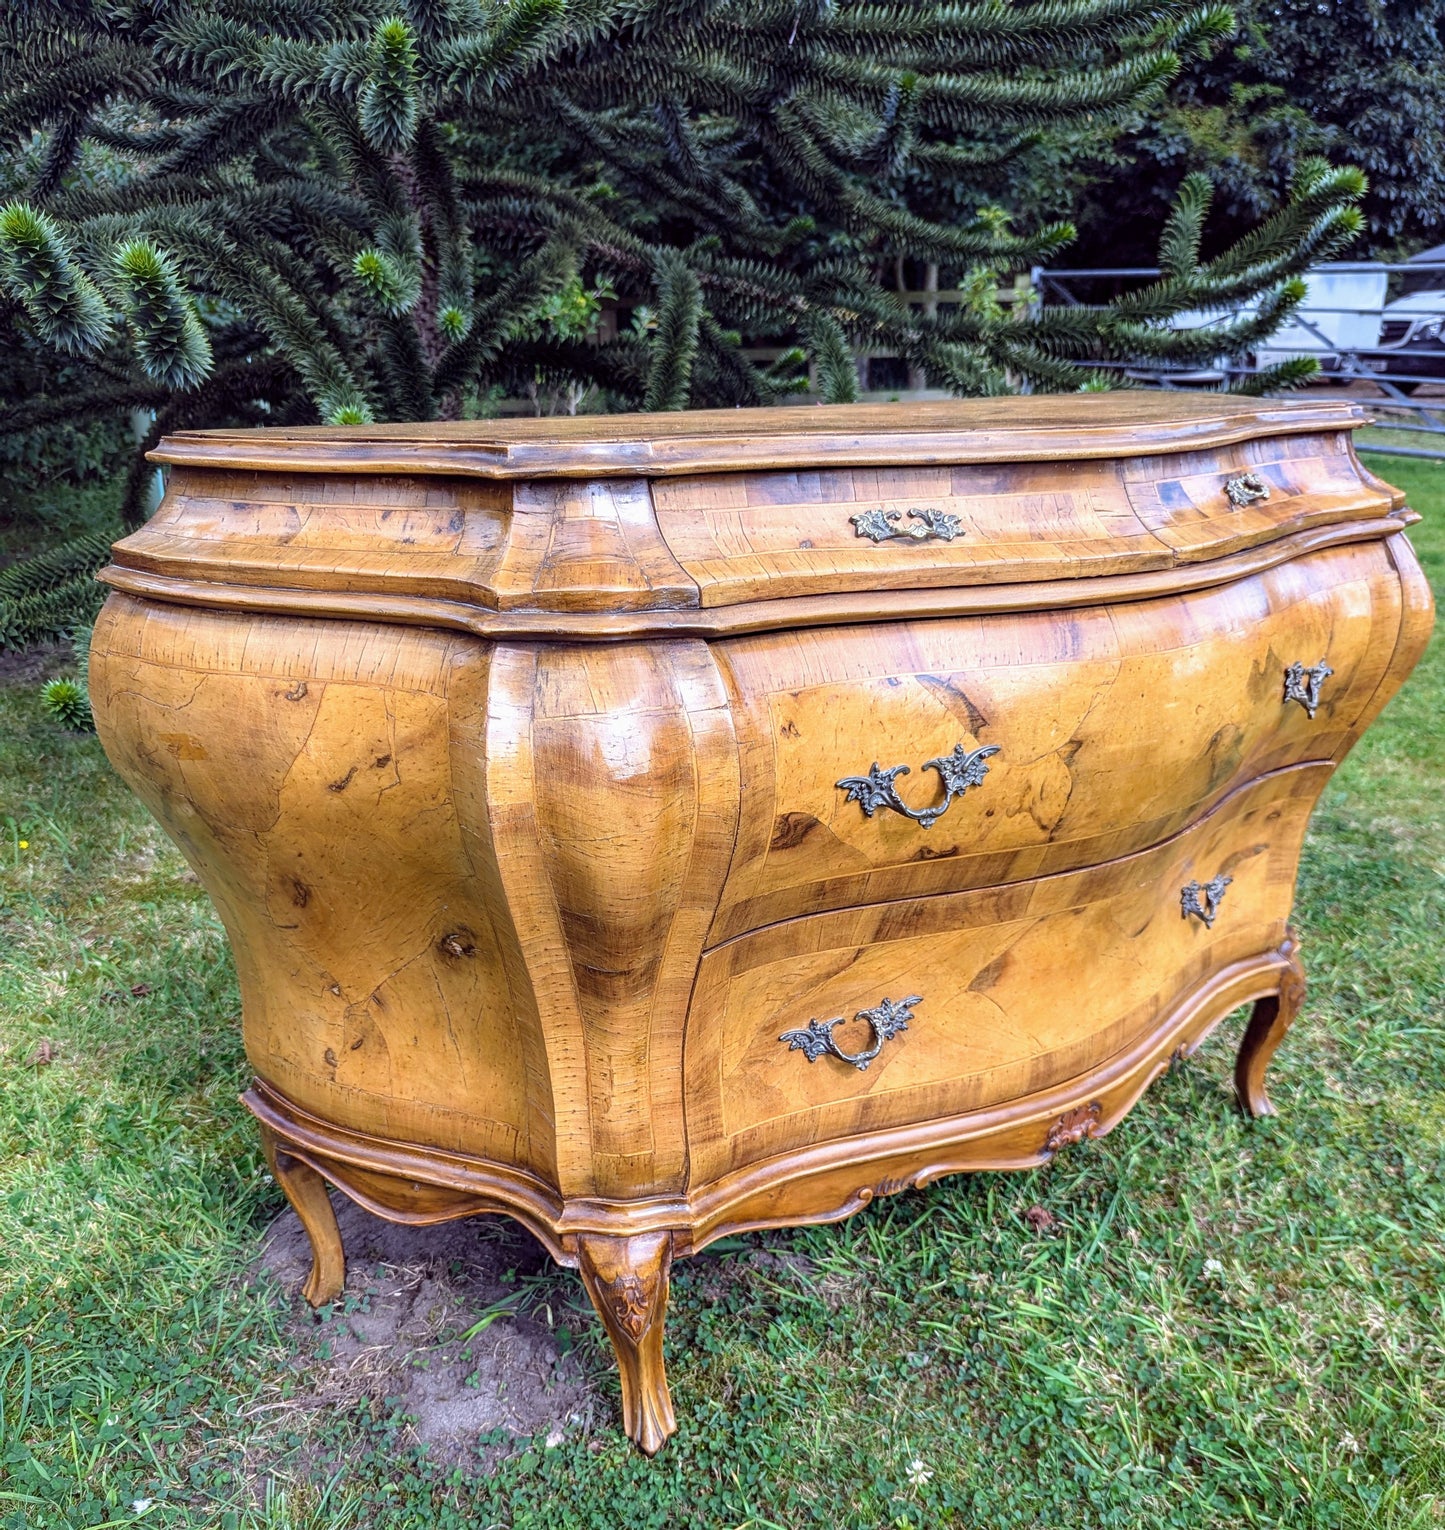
(1113, 727)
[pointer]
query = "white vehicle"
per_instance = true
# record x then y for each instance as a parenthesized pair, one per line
(1340, 314)
(1411, 348)
(1347, 322)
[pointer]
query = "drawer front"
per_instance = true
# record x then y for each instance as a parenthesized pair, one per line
(1113, 727)
(764, 536)
(977, 998)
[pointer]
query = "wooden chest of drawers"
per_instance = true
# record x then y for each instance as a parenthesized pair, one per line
(659, 826)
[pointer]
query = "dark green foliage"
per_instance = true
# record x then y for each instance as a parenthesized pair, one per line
(295, 210)
(51, 569)
(1354, 79)
(40, 270)
(837, 371)
(387, 105)
(674, 346)
(52, 594)
(70, 447)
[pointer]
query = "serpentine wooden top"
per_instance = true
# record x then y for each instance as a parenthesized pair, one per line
(1047, 428)
(726, 521)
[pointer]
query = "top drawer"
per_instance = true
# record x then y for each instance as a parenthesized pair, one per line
(1113, 727)
(764, 536)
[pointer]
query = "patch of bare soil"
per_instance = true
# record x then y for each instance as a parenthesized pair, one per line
(411, 1294)
(30, 666)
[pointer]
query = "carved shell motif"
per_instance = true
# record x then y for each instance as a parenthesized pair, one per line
(627, 1296)
(1073, 1126)
(1292, 988)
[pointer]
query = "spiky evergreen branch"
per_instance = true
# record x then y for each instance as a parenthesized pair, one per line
(51, 594)
(353, 209)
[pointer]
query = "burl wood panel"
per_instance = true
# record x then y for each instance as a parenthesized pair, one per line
(1115, 726)
(305, 770)
(509, 754)
(558, 545)
(1021, 987)
(467, 887)
(436, 547)
(769, 536)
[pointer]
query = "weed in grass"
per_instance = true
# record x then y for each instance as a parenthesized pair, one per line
(1214, 1323)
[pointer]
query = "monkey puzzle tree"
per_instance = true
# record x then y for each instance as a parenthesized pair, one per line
(266, 210)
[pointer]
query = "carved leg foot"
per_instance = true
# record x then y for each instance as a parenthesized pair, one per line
(306, 1190)
(627, 1281)
(1272, 1017)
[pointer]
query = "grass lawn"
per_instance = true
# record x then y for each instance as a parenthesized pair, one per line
(1235, 1323)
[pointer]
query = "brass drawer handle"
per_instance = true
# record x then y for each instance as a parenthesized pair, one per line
(886, 1020)
(1302, 684)
(1207, 907)
(959, 771)
(883, 525)
(1245, 490)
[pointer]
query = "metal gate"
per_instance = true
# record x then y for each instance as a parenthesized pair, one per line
(1375, 328)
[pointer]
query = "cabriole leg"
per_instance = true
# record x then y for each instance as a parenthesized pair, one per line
(1272, 1017)
(306, 1190)
(627, 1281)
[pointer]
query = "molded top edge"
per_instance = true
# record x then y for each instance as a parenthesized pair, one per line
(1041, 428)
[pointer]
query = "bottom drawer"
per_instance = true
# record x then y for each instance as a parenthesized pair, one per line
(1013, 989)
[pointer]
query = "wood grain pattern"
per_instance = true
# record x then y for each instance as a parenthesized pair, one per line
(444, 537)
(307, 775)
(1312, 480)
(620, 546)
(999, 971)
(769, 536)
(823, 1182)
(467, 887)
(627, 1281)
(1058, 428)
(780, 615)
(830, 1180)
(587, 547)
(509, 756)
(753, 536)
(558, 546)
(612, 795)
(1271, 1019)
(306, 1190)
(1115, 725)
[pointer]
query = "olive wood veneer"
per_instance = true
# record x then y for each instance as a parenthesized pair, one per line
(654, 827)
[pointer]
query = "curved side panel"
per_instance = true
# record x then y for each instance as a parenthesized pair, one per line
(1417, 622)
(610, 802)
(305, 770)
